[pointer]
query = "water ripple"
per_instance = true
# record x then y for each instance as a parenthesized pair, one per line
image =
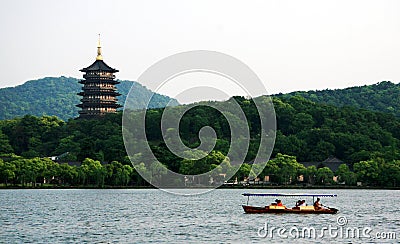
(138, 216)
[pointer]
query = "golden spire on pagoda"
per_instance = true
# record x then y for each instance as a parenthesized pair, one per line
(99, 57)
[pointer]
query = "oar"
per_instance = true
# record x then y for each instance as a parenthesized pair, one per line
(328, 207)
(324, 206)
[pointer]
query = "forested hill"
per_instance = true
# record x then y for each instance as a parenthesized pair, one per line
(381, 97)
(58, 96)
(310, 131)
(368, 141)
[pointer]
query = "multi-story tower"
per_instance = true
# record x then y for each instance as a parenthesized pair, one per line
(99, 94)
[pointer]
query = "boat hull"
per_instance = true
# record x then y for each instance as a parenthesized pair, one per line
(266, 209)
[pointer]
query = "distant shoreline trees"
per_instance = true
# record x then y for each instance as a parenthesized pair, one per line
(16, 171)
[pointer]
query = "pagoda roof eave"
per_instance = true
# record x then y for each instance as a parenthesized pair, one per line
(99, 65)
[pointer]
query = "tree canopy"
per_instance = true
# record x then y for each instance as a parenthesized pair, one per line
(381, 97)
(307, 132)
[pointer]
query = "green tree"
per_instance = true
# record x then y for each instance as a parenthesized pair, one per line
(243, 172)
(368, 171)
(345, 175)
(289, 168)
(194, 163)
(324, 176)
(5, 146)
(94, 172)
(68, 175)
(139, 170)
(390, 173)
(302, 121)
(118, 174)
(157, 171)
(7, 171)
(69, 145)
(310, 174)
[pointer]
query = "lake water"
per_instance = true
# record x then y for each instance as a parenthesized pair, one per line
(149, 215)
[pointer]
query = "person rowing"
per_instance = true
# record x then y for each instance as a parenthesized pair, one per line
(318, 205)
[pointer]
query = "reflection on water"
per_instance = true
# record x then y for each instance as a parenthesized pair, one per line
(155, 216)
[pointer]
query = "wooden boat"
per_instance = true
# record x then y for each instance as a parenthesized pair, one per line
(273, 208)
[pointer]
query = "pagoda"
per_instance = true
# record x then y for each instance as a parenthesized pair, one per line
(99, 94)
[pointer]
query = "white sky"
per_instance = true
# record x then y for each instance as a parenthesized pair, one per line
(291, 45)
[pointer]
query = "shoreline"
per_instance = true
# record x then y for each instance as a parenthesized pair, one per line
(221, 187)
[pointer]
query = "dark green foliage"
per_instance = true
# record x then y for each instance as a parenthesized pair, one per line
(346, 133)
(368, 141)
(5, 146)
(349, 134)
(57, 96)
(33, 136)
(308, 130)
(381, 97)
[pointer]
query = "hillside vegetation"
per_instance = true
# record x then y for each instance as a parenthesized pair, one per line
(57, 96)
(368, 141)
(381, 97)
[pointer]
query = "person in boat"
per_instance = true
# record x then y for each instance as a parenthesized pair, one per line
(317, 204)
(301, 203)
(279, 203)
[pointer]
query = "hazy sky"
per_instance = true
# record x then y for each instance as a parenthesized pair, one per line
(291, 45)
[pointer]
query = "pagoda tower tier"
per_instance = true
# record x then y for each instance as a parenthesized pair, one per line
(99, 94)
